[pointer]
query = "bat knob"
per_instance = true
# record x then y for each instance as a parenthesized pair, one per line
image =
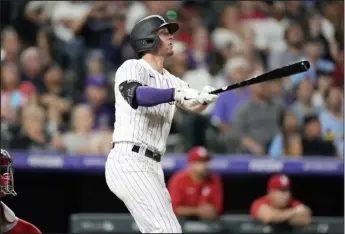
(305, 64)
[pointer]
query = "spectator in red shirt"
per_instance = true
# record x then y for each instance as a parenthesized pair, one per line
(196, 193)
(278, 206)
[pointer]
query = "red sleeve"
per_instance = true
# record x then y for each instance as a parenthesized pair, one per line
(174, 186)
(217, 194)
(255, 207)
(295, 203)
(23, 226)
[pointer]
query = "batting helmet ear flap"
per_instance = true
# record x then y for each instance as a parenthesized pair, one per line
(145, 44)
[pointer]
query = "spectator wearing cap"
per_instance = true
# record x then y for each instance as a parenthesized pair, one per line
(278, 206)
(95, 96)
(312, 142)
(332, 119)
(196, 192)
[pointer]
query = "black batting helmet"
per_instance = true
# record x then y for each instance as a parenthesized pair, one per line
(143, 38)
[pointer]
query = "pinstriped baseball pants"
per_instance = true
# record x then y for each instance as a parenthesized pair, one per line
(139, 182)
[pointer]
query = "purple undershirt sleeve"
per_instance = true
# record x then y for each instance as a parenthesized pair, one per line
(148, 96)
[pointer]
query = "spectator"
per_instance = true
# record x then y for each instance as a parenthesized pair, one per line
(295, 10)
(97, 23)
(288, 141)
(189, 18)
(94, 64)
(196, 193)
(198, 53)
(270, 33)
(278, 206)
(292, 52)
(32, 67)
(312, 142)
(82, 140)
(197, 57)
(67, 20)
(251, 12)
(229, 30)
(115, 44)
(236, 70)
(321, 29)
(339, 69)
(332, 118)
(40, 12)
(10, 46)
(44, 45)
(12, 99)
(303, 105)
(313, 53)
(33, 136)
(53, 96)
(256, 131)
(139, 10)
(95, 93)
(324, 82)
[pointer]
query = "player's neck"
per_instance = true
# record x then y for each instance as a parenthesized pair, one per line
(155, 61)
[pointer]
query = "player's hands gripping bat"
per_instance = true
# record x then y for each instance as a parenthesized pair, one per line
(192, 97)
(289, 70)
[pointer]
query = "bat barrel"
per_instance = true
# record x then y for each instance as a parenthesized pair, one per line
(285, 71)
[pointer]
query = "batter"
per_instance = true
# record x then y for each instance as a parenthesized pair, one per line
(147, 96)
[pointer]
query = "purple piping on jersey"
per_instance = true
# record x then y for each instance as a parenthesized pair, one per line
(147, 96)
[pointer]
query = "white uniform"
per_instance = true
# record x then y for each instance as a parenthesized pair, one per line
(8, 218)
(136, 179)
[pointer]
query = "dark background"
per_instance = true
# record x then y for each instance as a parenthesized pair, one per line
(48, 198)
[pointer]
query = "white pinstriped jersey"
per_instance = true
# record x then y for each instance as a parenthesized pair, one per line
(145, 126)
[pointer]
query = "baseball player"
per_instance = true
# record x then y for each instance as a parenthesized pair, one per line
(9, 223)
(146, 99)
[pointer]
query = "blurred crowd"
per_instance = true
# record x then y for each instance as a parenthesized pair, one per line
(58, 60)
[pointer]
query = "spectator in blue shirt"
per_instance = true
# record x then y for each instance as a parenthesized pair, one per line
(96, 96)
(332, 118)
(236, 70)
(303, 105)
(288, 141)
(313, 53)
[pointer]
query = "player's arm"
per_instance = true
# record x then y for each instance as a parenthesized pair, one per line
(302, 216)
(267, 214)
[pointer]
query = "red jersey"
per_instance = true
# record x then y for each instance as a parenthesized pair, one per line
(184, 191)
(12, 224)
(264, 200)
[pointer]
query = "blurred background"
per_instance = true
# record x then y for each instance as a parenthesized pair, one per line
(58, 60)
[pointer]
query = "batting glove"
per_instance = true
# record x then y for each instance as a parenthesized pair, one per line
(205, 97)
(187, 96)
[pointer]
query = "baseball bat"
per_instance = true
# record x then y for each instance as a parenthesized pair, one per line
(288, 70)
